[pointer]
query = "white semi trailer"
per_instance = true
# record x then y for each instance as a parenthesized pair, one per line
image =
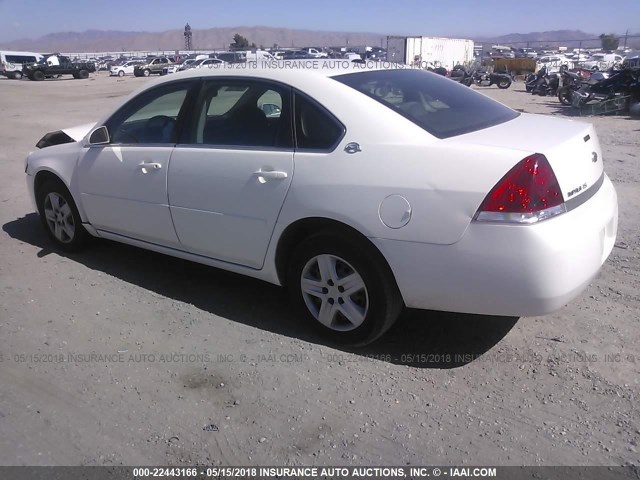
(430, 51)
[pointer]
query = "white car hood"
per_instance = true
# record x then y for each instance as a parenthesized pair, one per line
(79, 132)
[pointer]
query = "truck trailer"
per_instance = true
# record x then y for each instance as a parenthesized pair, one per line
(430, 52)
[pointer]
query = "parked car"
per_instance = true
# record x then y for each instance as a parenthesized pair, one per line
(230, 57)
(124, 69)
(259, 56)
(632, 60)
(602, 61)
(316, 52)
(554, 63)
(157, 65)
(104, 63)
(370, 190)
(208, 63)
(187, 64)
(12, 63)
(352, 56)
(296, 55)
(579, 58)
(375, 53)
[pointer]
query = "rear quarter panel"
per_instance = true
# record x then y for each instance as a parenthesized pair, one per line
(444, 181)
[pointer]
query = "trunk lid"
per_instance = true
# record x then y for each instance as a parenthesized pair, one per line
(572, 148)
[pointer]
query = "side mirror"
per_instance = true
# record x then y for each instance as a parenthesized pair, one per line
(100, 136)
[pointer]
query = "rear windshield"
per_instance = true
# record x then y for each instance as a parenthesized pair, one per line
(441, 106)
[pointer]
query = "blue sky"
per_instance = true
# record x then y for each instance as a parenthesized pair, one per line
(34, 18)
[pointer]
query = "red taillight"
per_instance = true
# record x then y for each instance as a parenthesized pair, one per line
(527, 194)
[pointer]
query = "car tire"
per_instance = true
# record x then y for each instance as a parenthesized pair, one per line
(146, 72)
(121, 73)
(83, 74)
(17, 75)
(323, 262)
(38, 76)
(60, 217)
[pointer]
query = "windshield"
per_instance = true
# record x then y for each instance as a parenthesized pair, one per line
(441, 106)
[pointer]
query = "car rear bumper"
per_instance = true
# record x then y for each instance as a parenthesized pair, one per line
(513, 270)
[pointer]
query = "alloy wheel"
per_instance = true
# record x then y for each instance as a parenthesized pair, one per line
(334, 292)
(59, 217)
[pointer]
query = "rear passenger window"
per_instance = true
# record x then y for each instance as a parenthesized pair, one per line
(316, 129)
(249, 114)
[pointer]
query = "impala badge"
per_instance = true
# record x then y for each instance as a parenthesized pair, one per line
(594, 157)
(577, 190)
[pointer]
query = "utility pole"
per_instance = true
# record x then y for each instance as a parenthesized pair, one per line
(626, 34)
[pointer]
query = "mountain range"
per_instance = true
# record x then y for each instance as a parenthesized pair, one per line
(220, 38)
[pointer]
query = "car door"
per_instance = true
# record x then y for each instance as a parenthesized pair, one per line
(230, 174)
(123, 184)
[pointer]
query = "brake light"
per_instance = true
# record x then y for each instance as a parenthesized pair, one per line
(528, 193)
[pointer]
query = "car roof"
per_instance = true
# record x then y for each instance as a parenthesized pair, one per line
(286, 71)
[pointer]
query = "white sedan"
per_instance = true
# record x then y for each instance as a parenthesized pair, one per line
(209, 63)
(367, 192)
(124, 69)
(602, 61)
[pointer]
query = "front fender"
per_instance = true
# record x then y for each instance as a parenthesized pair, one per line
(61, 161)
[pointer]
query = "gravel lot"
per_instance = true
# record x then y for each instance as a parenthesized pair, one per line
(195, 365)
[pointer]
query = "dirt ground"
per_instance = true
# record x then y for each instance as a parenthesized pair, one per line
(118, 356)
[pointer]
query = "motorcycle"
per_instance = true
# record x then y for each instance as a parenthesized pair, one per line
(574, 81)
(459, 74)
(532, 79)
(542, 83)
(620, 83)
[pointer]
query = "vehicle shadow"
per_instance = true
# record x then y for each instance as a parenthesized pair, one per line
(556, 108)
(420, 338)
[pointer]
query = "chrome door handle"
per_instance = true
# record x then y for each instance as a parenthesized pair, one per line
(273, 175)
(146, 166)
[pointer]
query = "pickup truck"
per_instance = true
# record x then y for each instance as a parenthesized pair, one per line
(55, 65)
(153, 65)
